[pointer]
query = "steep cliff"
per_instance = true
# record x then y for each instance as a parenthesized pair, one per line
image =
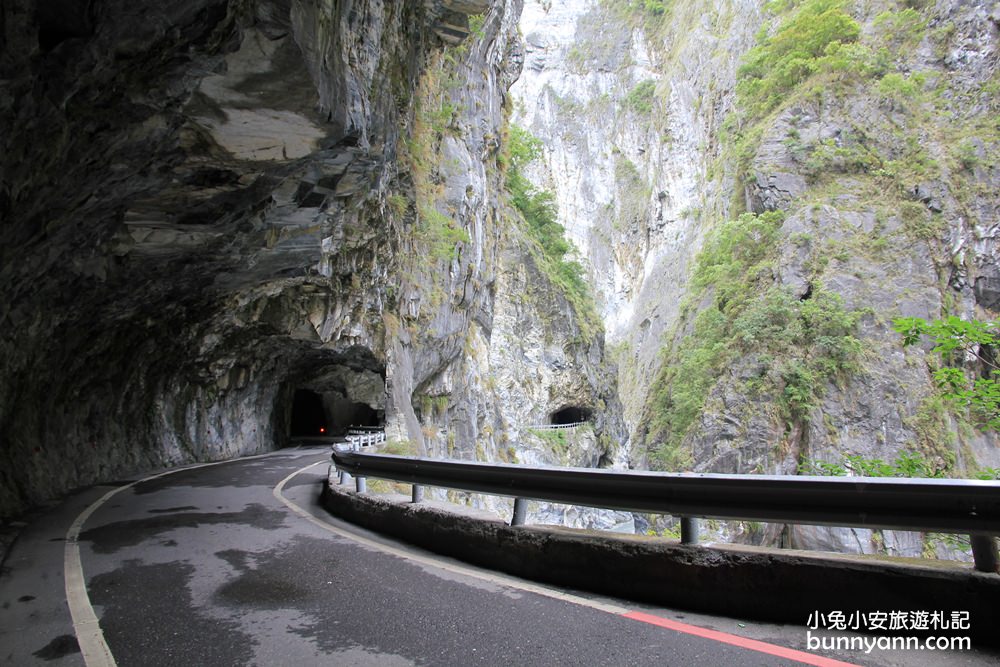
(191, 202)
(760, 188)
(485, 345)
(214, 209)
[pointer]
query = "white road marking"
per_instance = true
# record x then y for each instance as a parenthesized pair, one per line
(497, 579)
(433, 562)
(86, 625)
(87, 628)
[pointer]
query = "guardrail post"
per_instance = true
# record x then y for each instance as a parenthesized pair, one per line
(418, 493)
(957, 506)
(362, 484)
(520, 512)
(689, 530)
(984, 553)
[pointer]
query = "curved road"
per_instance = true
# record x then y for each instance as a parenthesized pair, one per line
(235, 564)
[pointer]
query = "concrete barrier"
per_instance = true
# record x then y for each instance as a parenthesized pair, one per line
(731, 580)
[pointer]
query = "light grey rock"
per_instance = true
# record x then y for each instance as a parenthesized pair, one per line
(775, 191)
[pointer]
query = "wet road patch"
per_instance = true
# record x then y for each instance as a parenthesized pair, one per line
(171, 510)
(111, 537)
(59, 647)
(263, 581)
(149, 618)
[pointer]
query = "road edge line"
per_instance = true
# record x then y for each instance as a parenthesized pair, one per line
(736, 640)
(86, 625)
(432, 562)
(705, 633)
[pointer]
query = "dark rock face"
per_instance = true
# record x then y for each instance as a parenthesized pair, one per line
(210, 207)
(191, 200)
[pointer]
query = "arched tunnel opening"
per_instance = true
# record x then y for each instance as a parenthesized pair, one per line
(572, 414)
(347, 413)
(308, 416)
(334, 391)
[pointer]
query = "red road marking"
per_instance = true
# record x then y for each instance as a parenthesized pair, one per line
(742, 642)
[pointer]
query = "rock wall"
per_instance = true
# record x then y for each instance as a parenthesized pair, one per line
(191, 201)
(751, 252)
(484, 345)
(629, 127)
(208, 205)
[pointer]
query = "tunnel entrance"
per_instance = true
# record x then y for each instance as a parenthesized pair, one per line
(308, 415)
(346, 413)
(331, 392)
(571, 414)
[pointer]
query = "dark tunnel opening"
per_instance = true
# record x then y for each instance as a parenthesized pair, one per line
(346, 413)
(308, 416)
(327, 393)
(572, 414)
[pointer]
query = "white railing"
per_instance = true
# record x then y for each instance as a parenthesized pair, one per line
(361, 430)
(359, 440)
(549, 427)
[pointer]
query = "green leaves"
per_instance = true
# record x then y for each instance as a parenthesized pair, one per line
(949, 334)
(912, 329)
(441, 233)
(907, 464)
(735, 254)
(522, 147)
(902, 28)
(958, 341)
(640, 98)
(806, 43)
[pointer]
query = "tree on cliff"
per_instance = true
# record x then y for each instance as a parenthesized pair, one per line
(959, 342)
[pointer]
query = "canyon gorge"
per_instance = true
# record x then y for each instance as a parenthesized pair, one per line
(215, 209)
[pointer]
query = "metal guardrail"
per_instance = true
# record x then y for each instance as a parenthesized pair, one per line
(355, 441)
(932, 505)
(549, 427)
(366, 439)
(359, 430)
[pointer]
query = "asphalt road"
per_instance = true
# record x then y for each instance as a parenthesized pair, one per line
(212, 566)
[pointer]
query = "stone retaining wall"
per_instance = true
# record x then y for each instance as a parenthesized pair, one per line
(736, 581)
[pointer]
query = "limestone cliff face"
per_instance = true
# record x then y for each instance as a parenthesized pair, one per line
(630, 126)
(864, 192)
(209, 205)
(482, 345)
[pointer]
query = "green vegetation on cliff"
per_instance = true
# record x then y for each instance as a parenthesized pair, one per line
(539, 212)
(435, 115)
(640, 98)
(819, 37)
(956, 340)
(814, 51)
(868, 127)
(800, 343)
(906, 464)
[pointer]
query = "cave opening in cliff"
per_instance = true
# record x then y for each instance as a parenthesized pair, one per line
(345, 413)
(571, 414)
(308, 414)
(330, 392)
